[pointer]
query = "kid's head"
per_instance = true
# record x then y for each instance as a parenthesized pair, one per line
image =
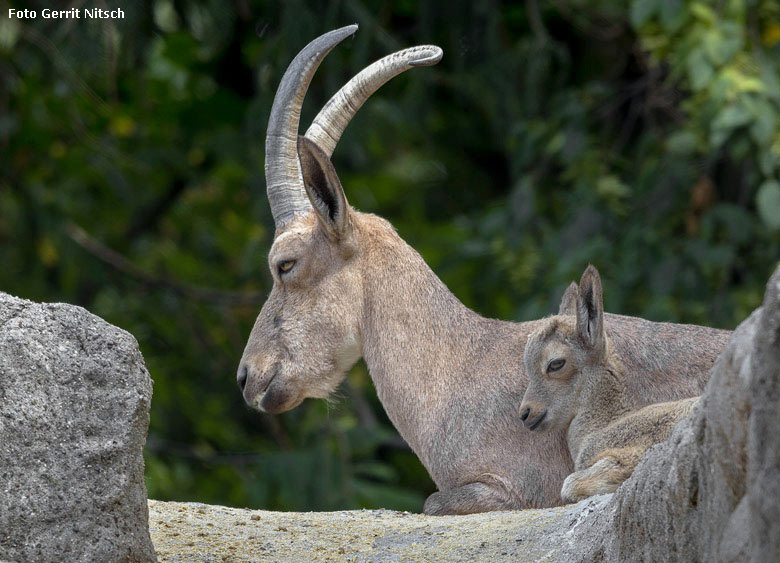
(559, 353)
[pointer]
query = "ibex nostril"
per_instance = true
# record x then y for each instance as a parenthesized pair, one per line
(534, 423)
(242, 376)
(524, 414)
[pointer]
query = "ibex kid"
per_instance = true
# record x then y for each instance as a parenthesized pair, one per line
(578, 384)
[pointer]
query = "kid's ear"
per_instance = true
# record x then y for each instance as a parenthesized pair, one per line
(569, 300)
(590, 309)
(324, 189)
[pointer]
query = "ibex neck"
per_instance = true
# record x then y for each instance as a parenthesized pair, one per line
(417, 339)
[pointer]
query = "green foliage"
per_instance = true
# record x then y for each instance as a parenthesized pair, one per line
(643, 137)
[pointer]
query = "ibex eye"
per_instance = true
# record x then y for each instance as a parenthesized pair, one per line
(555, 365)
(286, 266)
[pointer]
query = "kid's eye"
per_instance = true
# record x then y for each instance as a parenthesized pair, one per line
(286, 266)
(555, 365)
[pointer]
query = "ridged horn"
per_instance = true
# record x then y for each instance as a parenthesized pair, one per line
(284, 182)
(330, 123)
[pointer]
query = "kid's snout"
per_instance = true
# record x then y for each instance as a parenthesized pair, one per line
(532, 415)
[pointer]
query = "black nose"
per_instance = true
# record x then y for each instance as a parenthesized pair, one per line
(242, 375)
(525, 413)
(536, 421)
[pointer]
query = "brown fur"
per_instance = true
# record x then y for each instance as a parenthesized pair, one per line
(588, 396)
(449, 379)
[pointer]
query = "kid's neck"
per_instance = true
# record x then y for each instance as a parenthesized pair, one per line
(602, 401)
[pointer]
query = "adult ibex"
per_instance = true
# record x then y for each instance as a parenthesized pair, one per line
(577, 383)
(345, 285)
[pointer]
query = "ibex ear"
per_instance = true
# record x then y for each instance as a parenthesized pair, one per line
(590, 309)
(569, 300)
(324, 189)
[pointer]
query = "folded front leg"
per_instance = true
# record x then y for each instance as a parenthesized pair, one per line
(605, 476)
(490, 493)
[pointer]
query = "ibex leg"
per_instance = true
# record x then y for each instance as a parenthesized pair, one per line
(491, 493)
(605, 476)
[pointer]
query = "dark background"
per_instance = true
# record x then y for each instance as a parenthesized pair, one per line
(640, 136)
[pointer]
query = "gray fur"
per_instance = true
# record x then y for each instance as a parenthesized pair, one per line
(568, 304)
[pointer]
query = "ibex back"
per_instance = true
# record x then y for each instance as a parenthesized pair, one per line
(578, 384)
(346, 285)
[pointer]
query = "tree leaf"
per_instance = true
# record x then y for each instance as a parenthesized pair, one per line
(682, 143)
(731, 117)
(642, 11)
(699, 69)
(672, 15)
(768, 204)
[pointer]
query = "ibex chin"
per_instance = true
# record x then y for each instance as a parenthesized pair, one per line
(577, 383)
(346, 286)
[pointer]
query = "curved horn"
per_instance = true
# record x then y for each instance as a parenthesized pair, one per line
(284, 182)
(329, 125)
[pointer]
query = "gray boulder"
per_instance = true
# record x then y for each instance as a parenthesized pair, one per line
(74, 412)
